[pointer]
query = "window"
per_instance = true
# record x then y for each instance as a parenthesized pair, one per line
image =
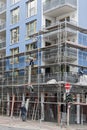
(15, 15)
(31, 28)
(32, 46)
(48, 22)
(31, 8)
(65, 19)
(14, 1)
(86, 58)
(33, 55)
(68, 19)
(15, 74)
(13, 52)
(15, 35)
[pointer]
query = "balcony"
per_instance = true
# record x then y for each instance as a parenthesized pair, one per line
(54, 8)
(58, 76)
(2, 26)
(2, 8)
(43, 78)
(53, 31)
(50, 55)
(67, 54)
(2, 44)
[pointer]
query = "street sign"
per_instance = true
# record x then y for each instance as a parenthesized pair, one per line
(67, 87)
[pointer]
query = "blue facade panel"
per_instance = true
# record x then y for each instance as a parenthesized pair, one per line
(22, 28)
(82, 38)
(82, 56)
(21, 24)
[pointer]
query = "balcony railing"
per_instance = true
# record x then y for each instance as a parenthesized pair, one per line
(63, 76)
(2, 44)
(54, 3)
(62, 24)
(3, 26)
(74, 22)
(44, 78)
(53, 55)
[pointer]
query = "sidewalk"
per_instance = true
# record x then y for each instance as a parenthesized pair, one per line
(36, 125)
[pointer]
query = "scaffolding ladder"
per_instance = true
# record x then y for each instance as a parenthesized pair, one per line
(35, 108)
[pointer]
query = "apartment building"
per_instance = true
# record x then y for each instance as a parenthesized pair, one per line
(55, 13)
(45, 48)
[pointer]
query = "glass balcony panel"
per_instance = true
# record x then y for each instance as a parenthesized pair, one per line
(52, 55)
(3, 26)
(50, 7)
(2, 44)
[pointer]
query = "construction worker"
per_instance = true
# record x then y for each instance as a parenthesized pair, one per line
(23, 113)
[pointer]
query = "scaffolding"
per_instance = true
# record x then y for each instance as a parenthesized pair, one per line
(43, 92)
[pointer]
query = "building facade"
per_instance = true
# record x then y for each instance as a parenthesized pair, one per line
(44, 49)
(2, 28)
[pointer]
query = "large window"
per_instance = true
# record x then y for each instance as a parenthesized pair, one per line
(14, 51)
(14, 35)
(14, 1)
(31, 8)
(32, 46)
(31, 28)
(15, 15)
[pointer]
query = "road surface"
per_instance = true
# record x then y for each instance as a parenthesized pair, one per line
(12, 128)
(8, 123)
